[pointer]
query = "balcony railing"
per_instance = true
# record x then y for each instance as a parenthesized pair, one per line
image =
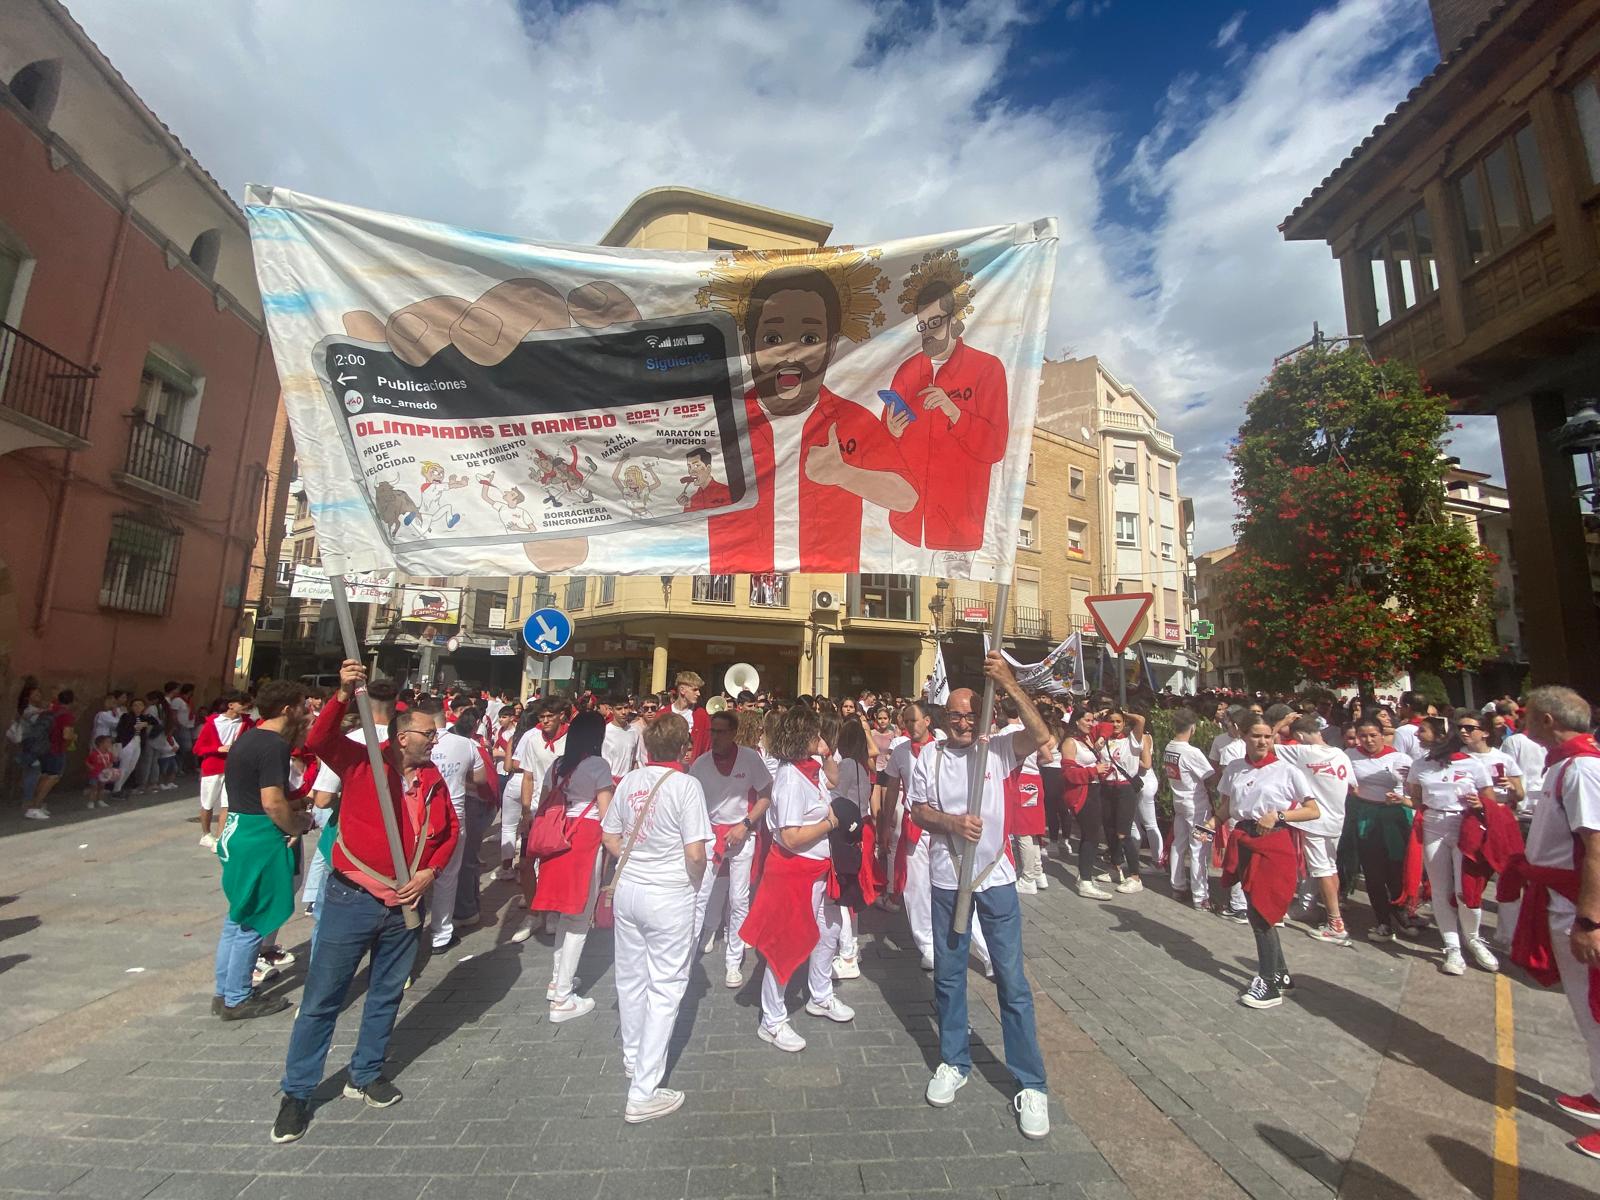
(38, 383)
(1030, 622)
(164, 459)
(1110, 418)
(769, 589)
(713, 589)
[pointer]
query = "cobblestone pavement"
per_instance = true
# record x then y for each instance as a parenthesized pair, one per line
(1377, 1079)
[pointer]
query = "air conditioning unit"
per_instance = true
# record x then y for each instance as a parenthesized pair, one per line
(824, 600)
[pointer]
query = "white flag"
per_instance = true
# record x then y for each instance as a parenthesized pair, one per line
(937, 689)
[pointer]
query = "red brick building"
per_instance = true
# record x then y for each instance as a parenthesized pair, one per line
(137, 388)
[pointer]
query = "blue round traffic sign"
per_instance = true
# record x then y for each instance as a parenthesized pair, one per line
(547, 630)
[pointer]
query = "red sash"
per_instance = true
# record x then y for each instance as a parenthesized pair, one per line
(1273, 873)
(719, 851)
(563, 883)
(782, 924)
(1489, 840)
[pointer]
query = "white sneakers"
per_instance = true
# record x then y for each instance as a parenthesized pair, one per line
(1128, 887)
(208, 840)
(944, 1085)
(1041, 881)
(927, 962)
(1090, 890)
(36, 814)
(1026, 887)
(835, 1010)
(1453, 963)
(659, 1105)
(1482, 955)
(550, 988)
(504, 873)
(529, 925)
(575, 1007)
(734, 978)
(1033, 1113)
(846, 968)
(783, 1037)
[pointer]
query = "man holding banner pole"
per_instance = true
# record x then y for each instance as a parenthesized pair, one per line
(957, 793)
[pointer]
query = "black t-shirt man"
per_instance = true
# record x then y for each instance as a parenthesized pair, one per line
(259, 759)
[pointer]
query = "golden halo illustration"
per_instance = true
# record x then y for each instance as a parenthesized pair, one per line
(939, 266)
(854, 274)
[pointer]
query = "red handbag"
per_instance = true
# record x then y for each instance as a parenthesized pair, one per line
(549, 831)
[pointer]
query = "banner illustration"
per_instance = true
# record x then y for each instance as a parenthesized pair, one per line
(466, 403)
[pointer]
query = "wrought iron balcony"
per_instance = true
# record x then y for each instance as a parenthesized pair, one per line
(44, 391)
(164, 461)
(1030, 622)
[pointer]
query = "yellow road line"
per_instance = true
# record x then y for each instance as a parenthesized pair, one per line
(1505, 1093)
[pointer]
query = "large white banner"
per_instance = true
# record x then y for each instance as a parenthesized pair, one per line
(470, 404)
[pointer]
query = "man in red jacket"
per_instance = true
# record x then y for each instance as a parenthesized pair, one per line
(363, 911)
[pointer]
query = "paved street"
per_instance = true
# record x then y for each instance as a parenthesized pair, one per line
(1378, 1079)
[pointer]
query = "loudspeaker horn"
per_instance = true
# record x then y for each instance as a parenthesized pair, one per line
(741, 677)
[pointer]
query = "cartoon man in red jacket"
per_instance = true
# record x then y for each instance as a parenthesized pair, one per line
(962, 418)
(817, 455)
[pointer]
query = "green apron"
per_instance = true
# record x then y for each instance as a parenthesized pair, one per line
(257, 872)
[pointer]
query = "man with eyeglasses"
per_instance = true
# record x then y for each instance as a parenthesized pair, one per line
(957, 399)
(363, 911)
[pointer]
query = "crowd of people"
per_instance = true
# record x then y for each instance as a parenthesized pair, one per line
(772, 825)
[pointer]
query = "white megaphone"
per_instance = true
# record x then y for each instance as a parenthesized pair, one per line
(741, 677)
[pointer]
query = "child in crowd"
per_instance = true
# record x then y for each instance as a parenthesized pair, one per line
(103, 771)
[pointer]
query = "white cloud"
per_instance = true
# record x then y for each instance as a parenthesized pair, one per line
(1229, 31)
(881, 118)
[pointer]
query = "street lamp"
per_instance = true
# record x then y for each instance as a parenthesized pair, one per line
(936, 606)
(666, 591)
(1580, 437)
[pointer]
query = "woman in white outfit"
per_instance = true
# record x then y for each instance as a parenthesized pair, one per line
(1443, 786)
(854, 782)
(658, 829)
(569, 883)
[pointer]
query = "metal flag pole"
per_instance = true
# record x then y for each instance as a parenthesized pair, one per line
(975, 773)
(1122, 678)
(369, 729)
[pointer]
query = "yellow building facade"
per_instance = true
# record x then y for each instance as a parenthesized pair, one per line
(816, 633)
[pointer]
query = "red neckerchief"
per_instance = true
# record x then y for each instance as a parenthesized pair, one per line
(809, 767)
(1382, 750)
(671, 766)
(718, 762)
(1414, 722)
(1267, 759)
(1458, 756)
(550, 742)
(918, 747)
(1581, 746)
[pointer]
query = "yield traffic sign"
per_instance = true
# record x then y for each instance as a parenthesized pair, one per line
(1119, 617)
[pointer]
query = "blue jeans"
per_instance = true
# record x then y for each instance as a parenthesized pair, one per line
(236, 958)
(351, 923)
(317, 869)
(1001, 915)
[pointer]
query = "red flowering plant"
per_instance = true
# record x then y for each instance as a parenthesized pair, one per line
(1347, 571)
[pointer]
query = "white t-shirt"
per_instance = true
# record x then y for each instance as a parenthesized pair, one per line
(786, 433)
(533, 757)
(1275, 786)
(855, 785)
(180, 711)
(455, 756)
(327, 778)
(1529, 757)
(1124, 755)
(588, 779)
(1376, 776)
(1330, 774)
(1501, 767)
(620, 749)
(1448, 786)
(940, 779)
(1557, 818)
(729, 797)
(1407, 742)
(797, 801)
(1229, 751)
(1220, 743)
(677, 819)
(1186, 770)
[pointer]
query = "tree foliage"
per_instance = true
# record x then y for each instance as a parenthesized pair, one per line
(1348, 570)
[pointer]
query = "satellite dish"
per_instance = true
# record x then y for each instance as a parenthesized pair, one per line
(1083, 431)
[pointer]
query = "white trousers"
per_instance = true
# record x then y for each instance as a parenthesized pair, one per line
(572, 930)
(819, 972)
(1147, 816)
(1441, 858)
(127, 760)
(1191, 860)
(919, 905)
(1029, 865)
(731, 890)
(1575, 982)
(510, 817)
(654, 938)
(442, 900)
(213, 793)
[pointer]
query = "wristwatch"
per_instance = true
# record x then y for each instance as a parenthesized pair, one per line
(748, 827)
(1585, 924)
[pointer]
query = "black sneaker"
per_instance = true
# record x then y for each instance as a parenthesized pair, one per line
(380, 1093)
(1286, 982)
(216, 1006)
(255, 1006)
(1238, 916)
(1260, 995)
(293, 1117)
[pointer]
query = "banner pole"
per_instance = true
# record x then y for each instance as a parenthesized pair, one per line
(975, 774)
(369, 730)
(1122, 678)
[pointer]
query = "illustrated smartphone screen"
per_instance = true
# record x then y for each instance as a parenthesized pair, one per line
(898, 403)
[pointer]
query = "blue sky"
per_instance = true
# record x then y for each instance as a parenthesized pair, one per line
(1169, 139)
